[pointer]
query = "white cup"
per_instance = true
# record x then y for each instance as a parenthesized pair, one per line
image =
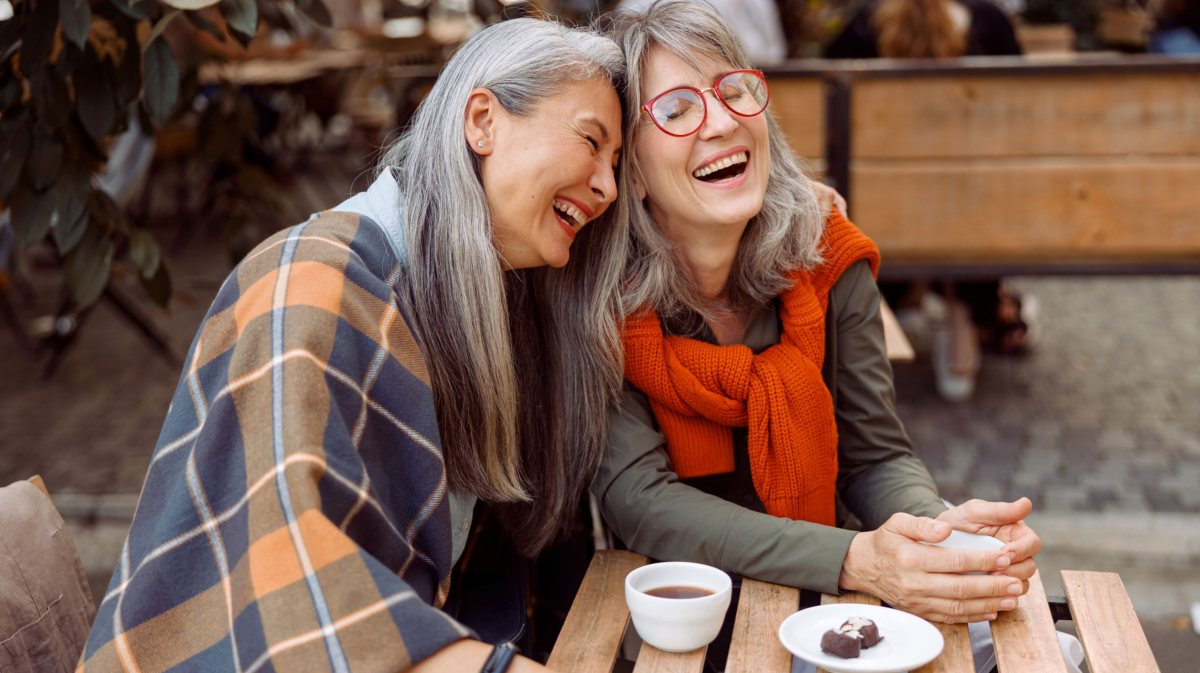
(677, 624)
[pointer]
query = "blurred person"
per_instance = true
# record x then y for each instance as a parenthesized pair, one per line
(926, 29)
(758, 392)
(362, 379)
(1177, 30)
(967, 315)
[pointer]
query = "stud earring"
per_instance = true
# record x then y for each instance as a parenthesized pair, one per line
(479, 143)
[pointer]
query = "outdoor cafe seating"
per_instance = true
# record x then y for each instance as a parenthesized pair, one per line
(1025, 638)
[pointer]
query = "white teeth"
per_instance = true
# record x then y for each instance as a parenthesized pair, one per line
(739, 158)
(568, 208)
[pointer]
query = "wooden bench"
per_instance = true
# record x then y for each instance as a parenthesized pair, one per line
(1025, 638)
(998, 166)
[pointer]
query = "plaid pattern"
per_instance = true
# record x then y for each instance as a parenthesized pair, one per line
(294, 517)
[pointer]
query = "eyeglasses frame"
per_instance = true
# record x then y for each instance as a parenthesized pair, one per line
(646, 107)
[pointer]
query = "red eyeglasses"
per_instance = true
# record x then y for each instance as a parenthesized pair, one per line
(683, 110)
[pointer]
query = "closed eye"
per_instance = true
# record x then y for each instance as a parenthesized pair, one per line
(595, 145)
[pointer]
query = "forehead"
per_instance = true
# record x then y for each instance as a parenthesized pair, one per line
(590, 102)
(663, 69)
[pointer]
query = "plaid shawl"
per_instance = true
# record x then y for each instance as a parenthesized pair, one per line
(294, 517)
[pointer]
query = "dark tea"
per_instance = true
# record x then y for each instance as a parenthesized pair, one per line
(679, 592)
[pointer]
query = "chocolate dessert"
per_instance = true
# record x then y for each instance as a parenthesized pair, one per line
(846, 641)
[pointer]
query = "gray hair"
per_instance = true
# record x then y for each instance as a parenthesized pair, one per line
(785, 235)
(523, 363)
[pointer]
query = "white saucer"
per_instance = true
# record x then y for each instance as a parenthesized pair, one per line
(908, 642)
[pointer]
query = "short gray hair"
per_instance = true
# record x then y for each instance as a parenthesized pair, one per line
(523, 363)
(783, 236)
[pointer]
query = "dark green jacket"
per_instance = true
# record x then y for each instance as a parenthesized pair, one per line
(719, 520)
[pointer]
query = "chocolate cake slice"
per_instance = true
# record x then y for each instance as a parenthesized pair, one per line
(844, 645)
(866, 629)
(848, 640)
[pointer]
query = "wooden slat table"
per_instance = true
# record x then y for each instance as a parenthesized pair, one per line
(1025, 638)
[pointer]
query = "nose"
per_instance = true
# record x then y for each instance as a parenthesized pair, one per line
(603, 183)
(718, 121)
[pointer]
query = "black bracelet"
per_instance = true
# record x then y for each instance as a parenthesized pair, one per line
(502, 656)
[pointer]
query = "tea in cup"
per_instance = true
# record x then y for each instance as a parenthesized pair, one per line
(678, 606)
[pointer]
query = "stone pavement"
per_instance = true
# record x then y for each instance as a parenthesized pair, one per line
(1099, 426)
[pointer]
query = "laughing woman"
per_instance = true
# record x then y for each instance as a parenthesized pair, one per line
(359, 382)
(758, 389)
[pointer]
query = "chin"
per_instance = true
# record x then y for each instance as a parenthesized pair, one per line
(558, 261)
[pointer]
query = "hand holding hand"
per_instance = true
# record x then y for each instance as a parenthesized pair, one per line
(1004, 521)
(892, 564)
(828, 198)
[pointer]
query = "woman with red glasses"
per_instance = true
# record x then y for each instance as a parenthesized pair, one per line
(758, 392)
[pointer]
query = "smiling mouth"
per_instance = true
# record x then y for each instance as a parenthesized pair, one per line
(569, 214)
(723, 169)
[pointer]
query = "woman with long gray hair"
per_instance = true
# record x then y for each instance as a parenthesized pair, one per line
(363, 378)
(758, 392)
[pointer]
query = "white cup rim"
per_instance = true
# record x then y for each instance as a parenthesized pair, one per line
(721, 585)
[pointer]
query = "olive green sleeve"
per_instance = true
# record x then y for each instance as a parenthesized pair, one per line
(878, 474)
(653, 513)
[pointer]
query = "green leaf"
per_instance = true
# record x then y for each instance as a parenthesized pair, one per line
(160, 27)
(158, 286)
(190, 4)
(86, 268)
(144, 253)
(200, 21)
(29, 221)
(59, 208)
(242, 17)
(51, 99)
(134, 10)
(67, 236)
(38, 38)
(76, 16)
(15, 139)
(317, 11)
(95, 97)
(45, 160)
(160, 80)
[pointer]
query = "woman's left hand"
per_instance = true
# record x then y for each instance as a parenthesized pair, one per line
(828, 198)
(1006, 522)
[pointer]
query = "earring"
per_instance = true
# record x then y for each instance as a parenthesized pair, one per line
(479, 143)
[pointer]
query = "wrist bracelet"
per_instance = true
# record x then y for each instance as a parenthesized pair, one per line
(502, 656)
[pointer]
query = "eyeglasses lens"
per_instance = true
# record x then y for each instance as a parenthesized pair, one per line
(681, 111)
(743, 92)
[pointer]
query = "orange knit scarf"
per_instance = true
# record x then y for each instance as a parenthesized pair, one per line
(698, 391)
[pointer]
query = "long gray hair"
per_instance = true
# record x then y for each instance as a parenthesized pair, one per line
(523, 363)
(783, 236)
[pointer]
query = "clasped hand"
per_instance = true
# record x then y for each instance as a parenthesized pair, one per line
(892, 564)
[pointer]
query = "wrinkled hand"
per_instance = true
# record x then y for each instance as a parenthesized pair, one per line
(892, 564)
(1004, 521)
(828, 198)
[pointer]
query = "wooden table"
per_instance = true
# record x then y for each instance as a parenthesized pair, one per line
(1025, 638)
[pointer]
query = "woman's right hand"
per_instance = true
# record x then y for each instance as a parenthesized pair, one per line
(892, 564)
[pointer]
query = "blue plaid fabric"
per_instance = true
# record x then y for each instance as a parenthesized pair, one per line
(295, 513)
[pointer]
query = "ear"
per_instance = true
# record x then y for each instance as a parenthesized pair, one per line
(480, 121)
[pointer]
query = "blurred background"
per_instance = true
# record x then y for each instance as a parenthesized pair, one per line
(1028, 167)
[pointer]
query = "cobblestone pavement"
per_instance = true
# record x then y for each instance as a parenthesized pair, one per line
(1102, 416)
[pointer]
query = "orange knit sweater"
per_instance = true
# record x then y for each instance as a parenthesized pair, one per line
(698, 391)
